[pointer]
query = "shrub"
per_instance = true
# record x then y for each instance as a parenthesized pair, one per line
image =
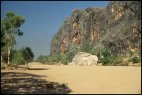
(64, 58)
(135, 60)
(22, 56)
(54, 58)
(105, 60)
(67, 57)
(43, 59)
(106, 53)
(18, 58)
(70, 56)
(86, 48)
(116, 59)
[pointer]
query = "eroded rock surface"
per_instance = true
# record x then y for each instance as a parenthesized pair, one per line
(82, 58)
(116, 27)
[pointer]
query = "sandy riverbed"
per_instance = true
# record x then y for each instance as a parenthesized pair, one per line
(92, 79)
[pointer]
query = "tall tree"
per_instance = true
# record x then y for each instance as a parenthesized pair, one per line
(3, 42)
(10, 26)
(28, 54)
(3, 39)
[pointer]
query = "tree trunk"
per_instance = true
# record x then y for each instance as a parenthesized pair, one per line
(27, 66)
(8, 53)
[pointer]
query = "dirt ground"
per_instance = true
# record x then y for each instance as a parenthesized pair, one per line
(79, 79)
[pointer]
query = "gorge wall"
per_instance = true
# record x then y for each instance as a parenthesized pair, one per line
(116, 28)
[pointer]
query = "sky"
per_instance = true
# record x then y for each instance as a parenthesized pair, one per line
(42, 20)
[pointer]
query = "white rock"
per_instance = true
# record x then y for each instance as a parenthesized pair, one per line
(82, 58)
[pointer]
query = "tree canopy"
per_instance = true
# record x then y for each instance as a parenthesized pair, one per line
(10, 28)
(24, 55)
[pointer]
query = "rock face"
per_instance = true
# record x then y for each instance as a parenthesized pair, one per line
(82, 58)
(116, 27)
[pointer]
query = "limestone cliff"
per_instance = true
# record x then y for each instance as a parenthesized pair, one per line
(116, 28)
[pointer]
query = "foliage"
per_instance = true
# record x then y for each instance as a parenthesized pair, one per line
(64, 58)
(106, 53)
(99, 51)
(10, 27)
(106, 58)
(5, 55)
(135, 59)
(55, 58)
(42, 59)
(110, 59)
(22, 56)
(86, 48)
(49, 59)
(27, 54)
(116, 59)
(70, 56)
(67, 57)
(18, 58)
(3, 39)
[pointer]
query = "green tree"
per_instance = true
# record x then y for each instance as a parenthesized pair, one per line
(10, 26)
(39, 58)
(18, 58)
(3, 39)
(28, 54)
(24, 55)
(44, 59)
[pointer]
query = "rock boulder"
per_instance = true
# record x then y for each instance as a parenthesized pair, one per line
(84, 59)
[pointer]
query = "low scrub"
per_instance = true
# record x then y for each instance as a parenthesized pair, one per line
(109, 59)
(135, 59)
(63, 58)
(105, 60)
(116, 60)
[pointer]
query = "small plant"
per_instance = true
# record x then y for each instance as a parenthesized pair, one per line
(56, 58)
(106, 53)
(116, 60)
(135, 60)
(105, 60)
(67, 57)
(64, 59)
(130, 60)
(18, 58)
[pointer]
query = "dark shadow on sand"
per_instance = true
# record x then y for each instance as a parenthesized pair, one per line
(25, 83)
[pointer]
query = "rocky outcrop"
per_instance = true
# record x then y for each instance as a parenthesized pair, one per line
(82, 58)
(116, 27)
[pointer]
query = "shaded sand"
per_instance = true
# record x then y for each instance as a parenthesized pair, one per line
(92, 79)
